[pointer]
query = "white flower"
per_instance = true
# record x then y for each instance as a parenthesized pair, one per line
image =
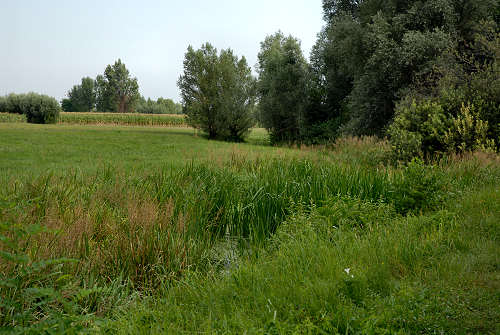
(347, 270)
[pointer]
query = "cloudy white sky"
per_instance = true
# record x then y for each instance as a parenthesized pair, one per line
(47, 46)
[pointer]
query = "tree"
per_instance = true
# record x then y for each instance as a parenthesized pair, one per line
(372, 53)
(81, 98)
(282, 87)
(217, 92)
(87, 94)
(116, 91)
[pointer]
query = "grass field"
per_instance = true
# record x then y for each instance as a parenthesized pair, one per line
(54, 148)
(114, 229)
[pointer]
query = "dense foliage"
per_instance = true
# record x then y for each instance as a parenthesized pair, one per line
(282, 87)
(113, 92)
(36, 107)
(217, 92)
(375, 62)
(372, 53)
(116, 91)
(81, 98)
(160, 106)
(461, 112)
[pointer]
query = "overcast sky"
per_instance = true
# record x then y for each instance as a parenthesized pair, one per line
(47, 46)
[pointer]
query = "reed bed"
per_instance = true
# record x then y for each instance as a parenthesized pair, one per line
(152, 228)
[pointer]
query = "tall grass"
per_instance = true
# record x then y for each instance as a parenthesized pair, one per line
(153, 228)
(145, 232)
(348, 267)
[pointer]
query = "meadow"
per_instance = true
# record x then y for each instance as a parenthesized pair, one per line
(119, 229)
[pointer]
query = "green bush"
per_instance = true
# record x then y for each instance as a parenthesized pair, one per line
(160, 106)
(468, 132)
(3, 105)
(41, 109)
(14, 103)
(432, 127)
(37, 108)
(418, 129)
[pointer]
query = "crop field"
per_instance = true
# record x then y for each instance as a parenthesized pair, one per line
(114, 229)
(124, 119)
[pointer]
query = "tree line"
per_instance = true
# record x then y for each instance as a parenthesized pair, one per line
(115, 91)
(424, 73)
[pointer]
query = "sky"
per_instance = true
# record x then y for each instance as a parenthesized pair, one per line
(47, 46)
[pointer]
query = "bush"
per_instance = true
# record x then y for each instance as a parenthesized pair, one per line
(418, 129)
(41, 109)
(14, 103)
(37, 108)
(160, 106)
(468, 132)
(3, 105)
(435, 126)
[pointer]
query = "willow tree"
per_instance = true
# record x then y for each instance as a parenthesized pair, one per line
(217, 92)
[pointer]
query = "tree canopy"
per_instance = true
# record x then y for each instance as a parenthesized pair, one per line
(282, 87)
(116, 91)
(372, 53)
(81, 98)
(217, 92)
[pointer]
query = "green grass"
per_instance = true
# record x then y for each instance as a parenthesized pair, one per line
(28, 148)
(369, 272)
(173, 233)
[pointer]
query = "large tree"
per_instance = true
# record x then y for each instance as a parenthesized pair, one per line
(217, 92)
(282, 87)
(81, 98)
(116, 90)
(371, 53)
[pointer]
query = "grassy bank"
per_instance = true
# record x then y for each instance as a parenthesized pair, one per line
(159, 230)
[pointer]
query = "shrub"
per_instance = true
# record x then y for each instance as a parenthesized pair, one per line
(432, 127)
(41, 109)
(14, 103)
(37, 108)
(3, 105)
(468, 132)
(160, 106)
(418, 129)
